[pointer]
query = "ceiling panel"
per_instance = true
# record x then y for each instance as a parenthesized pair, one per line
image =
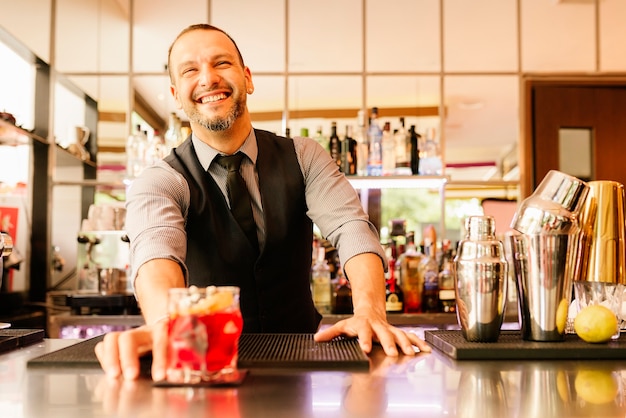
(612, 35)
(32, 29)
(92, 36)
(403, 35)
(156, 25)
(325, 35)
(557, 36)
(480, 35)
(259, 30)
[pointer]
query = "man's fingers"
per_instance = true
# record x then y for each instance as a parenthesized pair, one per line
(108, 354)
(119, 352)
(159, 351)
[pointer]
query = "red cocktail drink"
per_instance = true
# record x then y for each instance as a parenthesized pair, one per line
(203, 333)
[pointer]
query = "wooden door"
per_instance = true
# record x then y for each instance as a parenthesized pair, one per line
(595, 105)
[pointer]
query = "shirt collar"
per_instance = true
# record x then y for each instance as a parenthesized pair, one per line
(206, 153)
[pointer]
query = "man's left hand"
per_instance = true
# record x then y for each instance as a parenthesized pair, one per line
(369, 330)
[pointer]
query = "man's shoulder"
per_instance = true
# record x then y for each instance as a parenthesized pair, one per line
(262, 133)
(269, 139)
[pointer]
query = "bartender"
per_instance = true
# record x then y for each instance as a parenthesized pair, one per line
(182, 218)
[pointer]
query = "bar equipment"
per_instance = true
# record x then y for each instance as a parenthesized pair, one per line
(480, 274)
(600, 276)
(103, 261)
(6, 247)
(544, 282)
(544, 254)
(553, 207)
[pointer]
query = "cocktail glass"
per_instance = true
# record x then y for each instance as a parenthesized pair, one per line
(203, 334)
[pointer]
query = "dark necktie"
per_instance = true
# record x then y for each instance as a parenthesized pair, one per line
(238, 195)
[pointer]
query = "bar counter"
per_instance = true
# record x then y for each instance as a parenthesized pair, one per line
(427, 385)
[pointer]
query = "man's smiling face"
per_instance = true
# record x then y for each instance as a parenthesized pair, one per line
(210, 82)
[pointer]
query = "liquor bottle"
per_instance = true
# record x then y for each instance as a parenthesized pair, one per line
(447, 295)
(429, 269)
(320, 283)
(304, 132)
(375, 139)
(287, 133)
(136, 153)
(348, 153)
(397, 232)
(321, 139)
(389, 151)
(394, 298)
(430, 156)
(403, 162)
(334, 144)
(156, 149)
(430, 237)
(362, 146)
(411, 281)
(414, 156)
(342, 295)
(343, 146)
(172, 134)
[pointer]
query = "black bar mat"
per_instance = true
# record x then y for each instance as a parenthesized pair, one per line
(12, 338)
(511, 346)
(80, 355)
(300, 351)
(255, 351)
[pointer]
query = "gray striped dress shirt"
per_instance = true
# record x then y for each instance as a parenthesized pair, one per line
(158, 200)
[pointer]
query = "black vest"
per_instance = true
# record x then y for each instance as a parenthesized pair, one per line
(275, 290)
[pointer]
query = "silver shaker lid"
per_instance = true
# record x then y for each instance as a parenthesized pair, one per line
(553, 207)
(565, 190)
(480, 227)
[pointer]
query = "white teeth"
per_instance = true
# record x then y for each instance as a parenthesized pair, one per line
(209, 99)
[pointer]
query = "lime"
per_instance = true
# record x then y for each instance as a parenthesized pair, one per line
(596, 386)
(595, 324)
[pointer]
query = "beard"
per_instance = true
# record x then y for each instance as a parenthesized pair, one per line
(216, 123)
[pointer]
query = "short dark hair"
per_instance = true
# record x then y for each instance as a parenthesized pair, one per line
(200, 26)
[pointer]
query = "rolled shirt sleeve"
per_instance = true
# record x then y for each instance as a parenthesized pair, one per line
(157, 205)
(334, 205)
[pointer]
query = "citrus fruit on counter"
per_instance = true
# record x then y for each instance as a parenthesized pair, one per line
(596, 386)
(561, 316)
(595, 324)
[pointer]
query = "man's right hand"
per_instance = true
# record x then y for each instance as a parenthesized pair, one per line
(119, 352)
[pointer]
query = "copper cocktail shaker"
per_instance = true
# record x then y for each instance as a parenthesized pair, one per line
(600, 274)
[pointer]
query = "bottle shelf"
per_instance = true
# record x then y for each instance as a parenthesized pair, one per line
(13, 135)
(398, 182)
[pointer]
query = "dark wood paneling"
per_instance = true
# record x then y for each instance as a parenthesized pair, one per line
(598, 105)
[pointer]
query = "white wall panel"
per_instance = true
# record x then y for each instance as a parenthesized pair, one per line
(557, 36)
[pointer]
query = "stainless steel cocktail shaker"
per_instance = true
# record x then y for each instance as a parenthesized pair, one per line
(544, 254)
(480, 274)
